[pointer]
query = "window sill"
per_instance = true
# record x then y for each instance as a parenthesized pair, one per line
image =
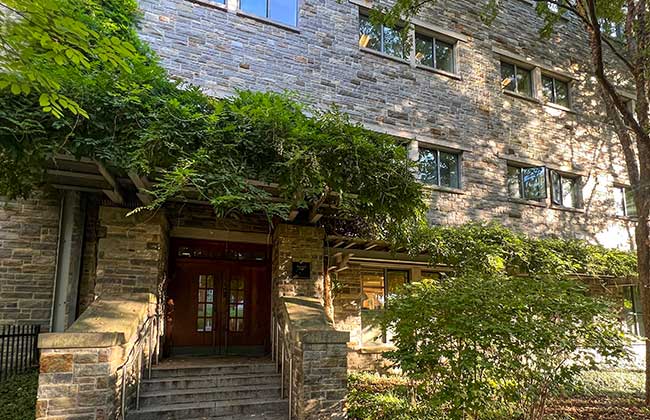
(438, 188)
(633, 219)
(440, 72)
(559, 107)
(534, 203)
(376, 348)
(521, 96)
(568, 209)
(384, 55)
(268, 21)
(210, 4)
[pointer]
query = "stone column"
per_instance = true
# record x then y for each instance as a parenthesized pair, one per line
(131, 251)
(298, 244)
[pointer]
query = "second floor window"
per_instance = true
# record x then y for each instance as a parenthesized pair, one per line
(624, 199)
(434, 53)
(282, 11)
(381, 38)
(439, 168)
(528, 183)
(516, 79)
(565, 190)
(555, 91)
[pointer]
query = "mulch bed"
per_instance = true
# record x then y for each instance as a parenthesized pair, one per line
(599, 408)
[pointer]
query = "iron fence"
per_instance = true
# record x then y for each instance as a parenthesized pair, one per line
(18, 349)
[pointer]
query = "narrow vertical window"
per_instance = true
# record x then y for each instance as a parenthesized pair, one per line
(633, 313)
(624, 202)
(205, 302)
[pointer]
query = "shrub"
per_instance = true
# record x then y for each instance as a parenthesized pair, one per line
(18, 396)
(484, 346)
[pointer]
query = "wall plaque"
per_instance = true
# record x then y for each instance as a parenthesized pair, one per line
(301, 270)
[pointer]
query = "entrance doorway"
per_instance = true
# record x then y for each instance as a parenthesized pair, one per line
(219, 298)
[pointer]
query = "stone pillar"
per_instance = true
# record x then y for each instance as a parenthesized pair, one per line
(131, 252)
(298, 244)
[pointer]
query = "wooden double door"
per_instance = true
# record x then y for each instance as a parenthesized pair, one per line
(219, 307)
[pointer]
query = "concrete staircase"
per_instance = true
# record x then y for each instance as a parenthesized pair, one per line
(212, 388)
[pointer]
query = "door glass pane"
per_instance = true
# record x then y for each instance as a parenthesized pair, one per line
(444, 56)
(210, 282)
(449, 176)
(209, 295)
(256, 7)
(283, 11)
(200, 324)
(424, 50)
(202, 281)
(201, 295)
(208, 324)
(507, 76)
(393, 42)
(428, 166)
(534, 183)
(523, 82)
(514, 187)
(205, 297)
(369, 34)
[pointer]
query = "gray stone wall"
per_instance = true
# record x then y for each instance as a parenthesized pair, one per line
(221, 51)
(28, 243)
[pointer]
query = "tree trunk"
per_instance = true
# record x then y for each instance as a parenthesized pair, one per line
(643, 255)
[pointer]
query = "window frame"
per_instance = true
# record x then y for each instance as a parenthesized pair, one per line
(417, 31)
(438, 151)
(520, 168)
(517, 66)
(623, 191)
(267, 16)
(365, 15)
(577, 182)
(553, 100)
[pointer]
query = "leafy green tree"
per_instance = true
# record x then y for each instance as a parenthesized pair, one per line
(619, 47)
(497, 346)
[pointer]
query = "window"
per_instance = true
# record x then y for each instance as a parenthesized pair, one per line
(283, 11)
(633, 313)
(377, 284)
(624, 199)
(432, 52)
(381, 38)
(565, 190)
(516, 79)
(236, 305)
(205, 303)
(436, 167)
(555, 91)
(528, 183)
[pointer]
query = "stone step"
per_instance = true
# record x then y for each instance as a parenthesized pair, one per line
(260, 416)
(167, 371)
(213, 410)
(176, 396)
(212, 382)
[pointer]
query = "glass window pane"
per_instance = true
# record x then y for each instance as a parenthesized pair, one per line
(208, 310)
(208, 324)
(428, 166)
(556, 187)
(256, 7)
(507, 76)
(396, 279)
(630, 207)
(534, 187)
(424, 50)
(570, 192)
(444, 56)
(240, 310)
(523, 82)
(210, 283)
(202, 281)
(201, 311)
(514, 187)
(562, 93)
(369, 34)
(547, 89)
(200, 324)
(393, 42)
(284, 11)
(449, 176)
(201, 295)
(209, 296)
(619, 201)
(372, 285)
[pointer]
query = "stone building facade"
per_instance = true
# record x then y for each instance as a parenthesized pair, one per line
(65, 254)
